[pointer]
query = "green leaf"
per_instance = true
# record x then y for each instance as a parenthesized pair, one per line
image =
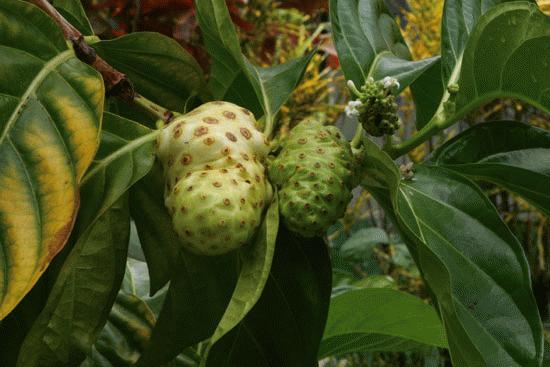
(382, 320)
(275, 84)
(475, 267)
(126, 333)
(369, 43)
(256, 261)
(82, 295)
(125, 156)
(459, 20)
(90, 277)
(51, 108)
(378, 170)
(197, 298)
(158, 239)
(73, 11)
(158, 66)
(510, 154)
(361, 243)
(233, 77)
(285, 327)
(427, 92)
(506, 56)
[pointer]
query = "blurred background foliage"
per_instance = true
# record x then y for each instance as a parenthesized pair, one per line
(367, 251)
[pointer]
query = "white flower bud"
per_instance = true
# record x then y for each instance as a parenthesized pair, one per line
(390, 82)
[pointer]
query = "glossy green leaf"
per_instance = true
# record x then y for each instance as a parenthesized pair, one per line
(125, 334)
(198, 295)
(51, 107)
(459, 19)
(369, 43)
(378, 169)
(90, 277)
(256, 262)
(475, 267)
(233, 77)
(427, 92)
(158, 66)
(158, 239)
(506, 56)
(382, 320)
(73, 11)
(513, 155)
(285, 327)
(82, 294)
(361, 243)
(126, 155)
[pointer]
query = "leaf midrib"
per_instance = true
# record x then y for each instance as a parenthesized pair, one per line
(33, 86)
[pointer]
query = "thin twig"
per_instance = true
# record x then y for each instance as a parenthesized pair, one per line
(116, 83)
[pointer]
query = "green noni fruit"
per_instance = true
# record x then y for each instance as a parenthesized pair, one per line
(314, 174)
(216, 185)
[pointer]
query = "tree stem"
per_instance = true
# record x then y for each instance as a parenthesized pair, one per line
(116, 83)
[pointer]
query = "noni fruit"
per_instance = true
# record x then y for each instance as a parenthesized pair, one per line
(314, 173)
(216, 185)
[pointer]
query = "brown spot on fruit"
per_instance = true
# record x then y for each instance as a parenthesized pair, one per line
(243, 201)
(234, 182)
(302, 141)
(317, 165)
(226, 202)
(224, 170)
(257, 178)
(204, 174)
(301, 156)
(246, 112)
(332, 165)
(320, 151)
(217, 184)
(188, 233)
(186, 159)
(246, 133)
(230, 136)
(245, 157)
(242, 223)
(230, 115)
(209, 141)
(211, 120)
(177, 132)
(330, 197)
(201, 130)
(190, 188)
(183, 209)
(170, 161)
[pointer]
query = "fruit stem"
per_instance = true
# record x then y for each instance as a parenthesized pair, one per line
(358, 135)
(162, 113)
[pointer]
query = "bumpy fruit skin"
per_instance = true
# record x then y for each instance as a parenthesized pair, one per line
(216, 186)
(314, 174)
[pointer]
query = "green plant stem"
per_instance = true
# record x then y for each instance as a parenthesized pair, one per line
(357, 137)
(441, 120)
(162, 113)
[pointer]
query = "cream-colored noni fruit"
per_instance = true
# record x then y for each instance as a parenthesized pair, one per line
(216, 185)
